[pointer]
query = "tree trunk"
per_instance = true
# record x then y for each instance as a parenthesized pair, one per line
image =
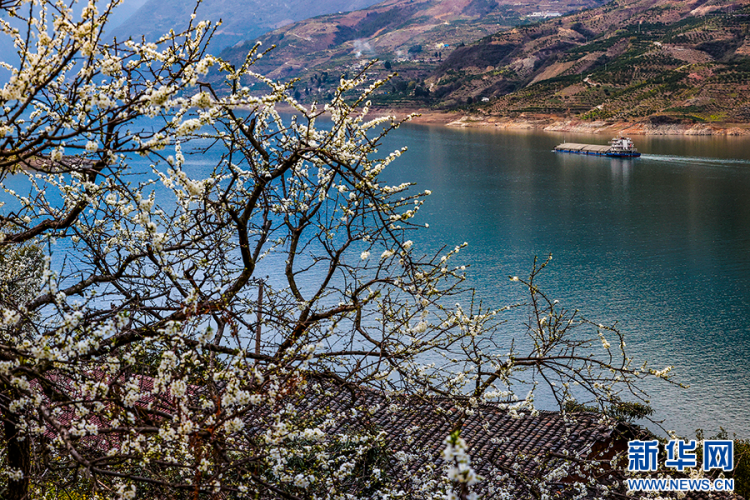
(18, 455)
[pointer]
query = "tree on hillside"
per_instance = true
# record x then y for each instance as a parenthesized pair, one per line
(183, 267)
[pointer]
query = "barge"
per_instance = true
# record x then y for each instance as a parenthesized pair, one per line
(618, 147)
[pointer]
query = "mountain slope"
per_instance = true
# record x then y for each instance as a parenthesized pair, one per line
(414, 35)
(242, 19)
(665, 61)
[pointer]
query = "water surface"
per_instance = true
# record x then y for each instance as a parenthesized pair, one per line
(660, 244)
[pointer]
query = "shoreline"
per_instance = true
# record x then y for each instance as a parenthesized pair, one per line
(551, 123)
(547, 123)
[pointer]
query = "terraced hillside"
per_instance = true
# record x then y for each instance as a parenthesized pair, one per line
(663, 62)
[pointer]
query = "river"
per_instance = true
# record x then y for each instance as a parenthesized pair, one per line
(660, 244)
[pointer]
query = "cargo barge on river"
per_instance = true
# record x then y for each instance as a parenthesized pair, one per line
(618, 147)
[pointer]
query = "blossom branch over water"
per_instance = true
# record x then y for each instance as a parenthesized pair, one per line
(185, 270)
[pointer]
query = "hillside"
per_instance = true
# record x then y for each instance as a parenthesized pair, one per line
(412, 37)
(659, 62)
(242, 19)
(645, 60)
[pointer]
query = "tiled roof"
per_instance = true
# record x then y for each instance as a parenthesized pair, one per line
(529, 447)
(497, 442)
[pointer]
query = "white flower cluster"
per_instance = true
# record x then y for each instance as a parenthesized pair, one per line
(459, 472)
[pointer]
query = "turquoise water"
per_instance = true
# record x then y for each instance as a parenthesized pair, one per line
(660, 244)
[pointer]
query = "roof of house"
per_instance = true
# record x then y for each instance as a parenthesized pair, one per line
(527, 446)
(502, 444)
(490, 430)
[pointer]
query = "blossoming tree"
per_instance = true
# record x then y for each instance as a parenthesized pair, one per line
(183, 267)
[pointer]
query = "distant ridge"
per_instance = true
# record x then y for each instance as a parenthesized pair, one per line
(656, 62)
(242, 19)
(414, 36)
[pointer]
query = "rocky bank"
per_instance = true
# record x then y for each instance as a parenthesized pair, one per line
(552, 124)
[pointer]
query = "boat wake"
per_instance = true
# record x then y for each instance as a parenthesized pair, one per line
(695, 159)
